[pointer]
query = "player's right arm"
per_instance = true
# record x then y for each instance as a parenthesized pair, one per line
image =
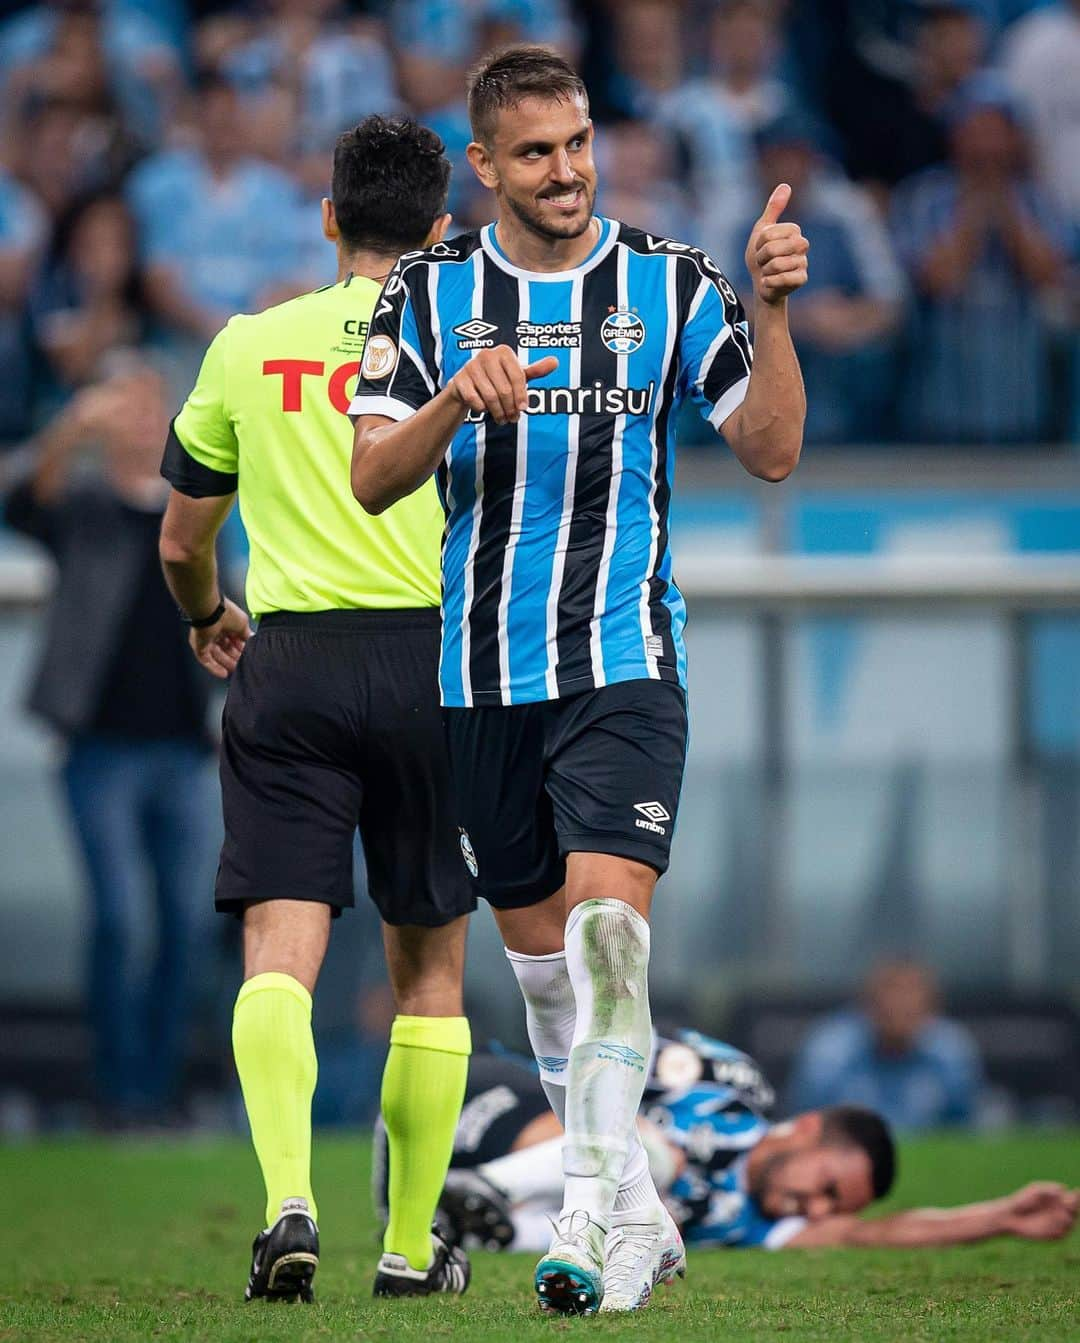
(1042, 1211)
(403, 424)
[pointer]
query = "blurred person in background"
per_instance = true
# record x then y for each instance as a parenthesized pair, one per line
(104, 54)
(23, 233)
(650, 53)
(640, 183)
(1040, 59)
(87, 296)
(217, 226)
(893, 1052)
(117, 683)
(338, 68)
(718, 113)
(983, 247)
(434, 42)
(890, 98)
(852, 304)
(49, 155)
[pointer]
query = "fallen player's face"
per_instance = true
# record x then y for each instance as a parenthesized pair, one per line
(542, 153)
(821, 1182)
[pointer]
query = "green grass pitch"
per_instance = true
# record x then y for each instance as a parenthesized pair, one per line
(148, 1241)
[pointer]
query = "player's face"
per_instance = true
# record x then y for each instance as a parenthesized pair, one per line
(542, 165)
(817, 1183)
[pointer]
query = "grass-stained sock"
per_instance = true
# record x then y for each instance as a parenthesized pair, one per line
(275, 1058)
(422, 1091)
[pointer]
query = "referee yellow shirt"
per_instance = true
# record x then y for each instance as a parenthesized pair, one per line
(267, 418)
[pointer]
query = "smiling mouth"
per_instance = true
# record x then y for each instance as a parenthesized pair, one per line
(566, 200)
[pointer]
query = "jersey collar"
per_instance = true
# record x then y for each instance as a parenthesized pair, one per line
(608, 233)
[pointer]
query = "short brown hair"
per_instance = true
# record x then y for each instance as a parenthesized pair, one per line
(504, 78)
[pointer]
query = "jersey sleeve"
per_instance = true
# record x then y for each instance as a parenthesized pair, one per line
(715, 354)
(201, 453)
(398, 375)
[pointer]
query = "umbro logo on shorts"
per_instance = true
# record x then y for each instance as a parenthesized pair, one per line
(653, 813)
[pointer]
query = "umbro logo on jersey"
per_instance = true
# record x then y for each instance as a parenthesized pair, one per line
(477, 334)
(653, 813)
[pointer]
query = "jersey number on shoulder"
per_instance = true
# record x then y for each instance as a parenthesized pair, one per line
(292, 373)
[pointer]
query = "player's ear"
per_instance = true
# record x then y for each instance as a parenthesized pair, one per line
(329, 220)
(439, 229)
(482, 164)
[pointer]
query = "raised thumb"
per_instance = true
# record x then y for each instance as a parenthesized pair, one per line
(776, 204)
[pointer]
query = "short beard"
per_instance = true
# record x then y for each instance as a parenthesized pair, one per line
(759, 1187)
(535, 224)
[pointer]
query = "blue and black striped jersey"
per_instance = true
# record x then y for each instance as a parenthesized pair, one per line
(557, 574)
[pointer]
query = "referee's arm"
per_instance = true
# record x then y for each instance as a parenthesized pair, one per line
(187, 547)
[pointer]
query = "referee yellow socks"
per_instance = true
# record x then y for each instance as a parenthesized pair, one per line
(275, 1057)
(422, 1091)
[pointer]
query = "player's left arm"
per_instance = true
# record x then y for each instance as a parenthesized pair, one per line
(1041, 1211)
(765, 431)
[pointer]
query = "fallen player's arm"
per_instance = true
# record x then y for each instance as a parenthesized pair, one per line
(1042, 1211)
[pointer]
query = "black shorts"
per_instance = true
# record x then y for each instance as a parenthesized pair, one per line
(598, 772)
(332, 721)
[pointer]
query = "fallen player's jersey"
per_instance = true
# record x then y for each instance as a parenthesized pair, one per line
(717, 1127)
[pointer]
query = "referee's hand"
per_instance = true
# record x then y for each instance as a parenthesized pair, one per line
(776, 253)
(494, 382)
(218, 647)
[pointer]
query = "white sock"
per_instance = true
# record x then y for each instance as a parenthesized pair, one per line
(550, 1014)
(636, 1199)
(607, 957)
(531, 1172)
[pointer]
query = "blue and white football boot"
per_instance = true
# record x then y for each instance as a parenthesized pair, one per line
(570, 1278)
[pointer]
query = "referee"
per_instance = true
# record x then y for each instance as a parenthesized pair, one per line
(332, 718)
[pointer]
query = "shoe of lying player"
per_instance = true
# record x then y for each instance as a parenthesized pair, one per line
(476, 1214)
(570, 1277)
(638, 1257)
(285, 1256)
(449, 1271)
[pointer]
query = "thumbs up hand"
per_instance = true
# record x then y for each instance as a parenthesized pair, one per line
(776, 253)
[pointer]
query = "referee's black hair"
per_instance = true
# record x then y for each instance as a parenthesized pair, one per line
(391, 177)
(853, 1126)
(504, 78)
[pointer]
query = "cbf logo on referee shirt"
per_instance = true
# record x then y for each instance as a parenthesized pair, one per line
(623, 332)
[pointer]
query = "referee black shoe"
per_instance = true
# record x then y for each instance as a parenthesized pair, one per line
(449, 1271)
(475, 1211)
(284, 1258)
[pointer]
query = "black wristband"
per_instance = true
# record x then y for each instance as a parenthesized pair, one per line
(204, 622)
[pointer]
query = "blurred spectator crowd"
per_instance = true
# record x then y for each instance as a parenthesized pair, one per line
(162, 165)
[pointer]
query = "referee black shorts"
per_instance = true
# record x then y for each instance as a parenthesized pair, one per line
(596, 772)
(332, 721)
